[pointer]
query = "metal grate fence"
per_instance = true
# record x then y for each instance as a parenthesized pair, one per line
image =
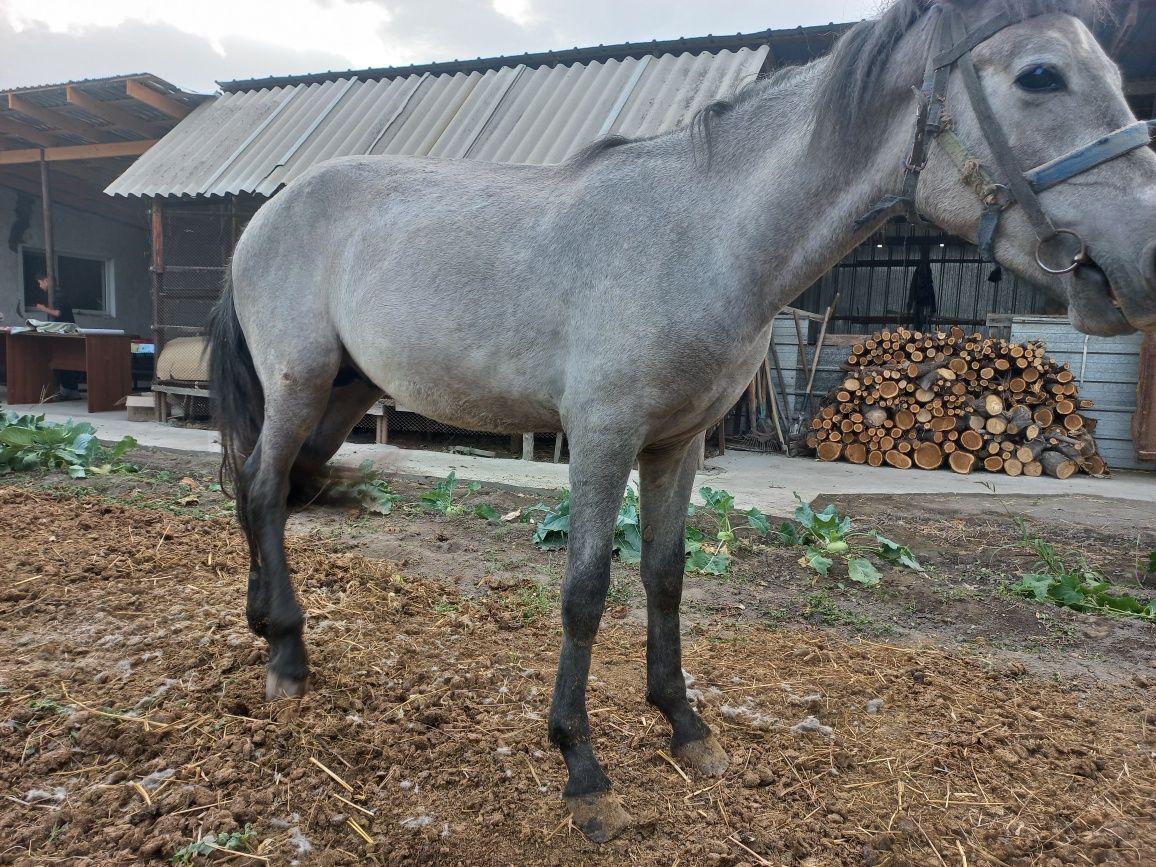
(192, 244)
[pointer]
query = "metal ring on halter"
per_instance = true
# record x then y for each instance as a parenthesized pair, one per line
(1077, 260)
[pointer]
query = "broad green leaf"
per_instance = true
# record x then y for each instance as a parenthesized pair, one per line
(709, 563)
(1033, 585)
(485, 510)
(758, 522)
(817, 561)
(862, 571)
(788, 534)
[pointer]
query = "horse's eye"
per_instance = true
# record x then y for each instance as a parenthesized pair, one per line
(1040, 79)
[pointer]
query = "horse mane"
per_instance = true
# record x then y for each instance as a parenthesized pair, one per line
(855, 71)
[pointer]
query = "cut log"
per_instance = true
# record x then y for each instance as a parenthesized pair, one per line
(1034, 469)
(961, 462)
(1013, 466)
(993, 463)
(898, 460)
(991, 404)
(1058, 465)
(928, 456)
(874, 416)
(904, 420)
(995, 425)
(875, 458)
(830, 451)
(971, 440)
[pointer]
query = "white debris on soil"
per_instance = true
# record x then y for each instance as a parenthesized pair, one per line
(445, 830)
(875, 705)
(299, 841)
(503, 751)
(408, 786)
(413, 823)
(748, 713)
(58, 794)
(151, 698)
(125, 668)
(811, 725)
(156, 778)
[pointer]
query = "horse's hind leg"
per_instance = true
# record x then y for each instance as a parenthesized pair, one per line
(599, 468)
(666, 480)
(295, 399)
(351, 397)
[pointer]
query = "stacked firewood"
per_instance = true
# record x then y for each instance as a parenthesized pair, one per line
(972, 402)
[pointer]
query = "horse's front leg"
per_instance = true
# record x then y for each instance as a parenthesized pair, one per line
(597, 480)
(667, 477)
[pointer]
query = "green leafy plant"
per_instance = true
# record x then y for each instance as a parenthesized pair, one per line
(628, 528)
(713, 556)
(441, 500)
(553, 528)
(370, 488)
(828, 536)
(28, 442)
(237, 841)
(1080, 587)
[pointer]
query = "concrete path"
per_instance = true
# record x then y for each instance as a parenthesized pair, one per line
(766, 481)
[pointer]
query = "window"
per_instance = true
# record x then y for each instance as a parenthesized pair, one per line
(86, 281)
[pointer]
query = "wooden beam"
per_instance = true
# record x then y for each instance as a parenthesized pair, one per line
(77, 152)
(101, 206)
(141, 92)
(54, 119)
(12, 127)
(108, 111)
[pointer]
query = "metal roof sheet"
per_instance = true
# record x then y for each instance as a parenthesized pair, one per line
(256, 141)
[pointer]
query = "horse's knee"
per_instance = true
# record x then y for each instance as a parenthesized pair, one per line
(583, 598)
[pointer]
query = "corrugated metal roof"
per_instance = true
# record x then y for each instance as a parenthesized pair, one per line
(256, 141)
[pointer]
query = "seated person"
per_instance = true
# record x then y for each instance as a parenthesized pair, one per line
(69, 379)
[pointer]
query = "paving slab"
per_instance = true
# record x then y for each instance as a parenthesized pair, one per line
(766, 481)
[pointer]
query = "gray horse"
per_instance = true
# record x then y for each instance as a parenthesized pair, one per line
(626, 296)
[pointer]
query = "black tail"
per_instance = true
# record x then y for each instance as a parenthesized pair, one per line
(238, 399)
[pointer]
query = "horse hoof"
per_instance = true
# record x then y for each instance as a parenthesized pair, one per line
(601, 816)
(278, 687)
(705, 755)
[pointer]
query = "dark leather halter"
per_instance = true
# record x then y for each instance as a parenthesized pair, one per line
(932, 123)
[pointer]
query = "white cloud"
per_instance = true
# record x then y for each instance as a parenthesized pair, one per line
(195, 42)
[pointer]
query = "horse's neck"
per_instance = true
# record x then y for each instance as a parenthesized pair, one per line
(787, 204)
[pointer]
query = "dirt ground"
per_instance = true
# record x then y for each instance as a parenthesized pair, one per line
(132, 722)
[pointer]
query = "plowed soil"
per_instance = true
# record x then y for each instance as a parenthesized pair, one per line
(132, 722)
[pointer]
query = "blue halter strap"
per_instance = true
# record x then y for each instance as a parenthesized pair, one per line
(1019, 187)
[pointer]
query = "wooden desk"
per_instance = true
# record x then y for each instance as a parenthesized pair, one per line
(105, 358)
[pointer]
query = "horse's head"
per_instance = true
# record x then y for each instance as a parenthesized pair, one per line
(1053, 92)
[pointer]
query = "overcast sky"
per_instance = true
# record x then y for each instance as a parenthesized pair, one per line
(193, 43)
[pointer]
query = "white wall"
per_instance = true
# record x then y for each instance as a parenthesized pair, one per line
(84, 234)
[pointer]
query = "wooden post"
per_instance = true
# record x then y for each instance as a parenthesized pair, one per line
(558, 438)
(157, 226)
(527, 447)
(49, 237)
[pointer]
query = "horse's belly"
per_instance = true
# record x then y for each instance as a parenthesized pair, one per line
(474, 408)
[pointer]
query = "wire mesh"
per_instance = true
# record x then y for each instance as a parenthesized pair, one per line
(197, 243)
(874, 285)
